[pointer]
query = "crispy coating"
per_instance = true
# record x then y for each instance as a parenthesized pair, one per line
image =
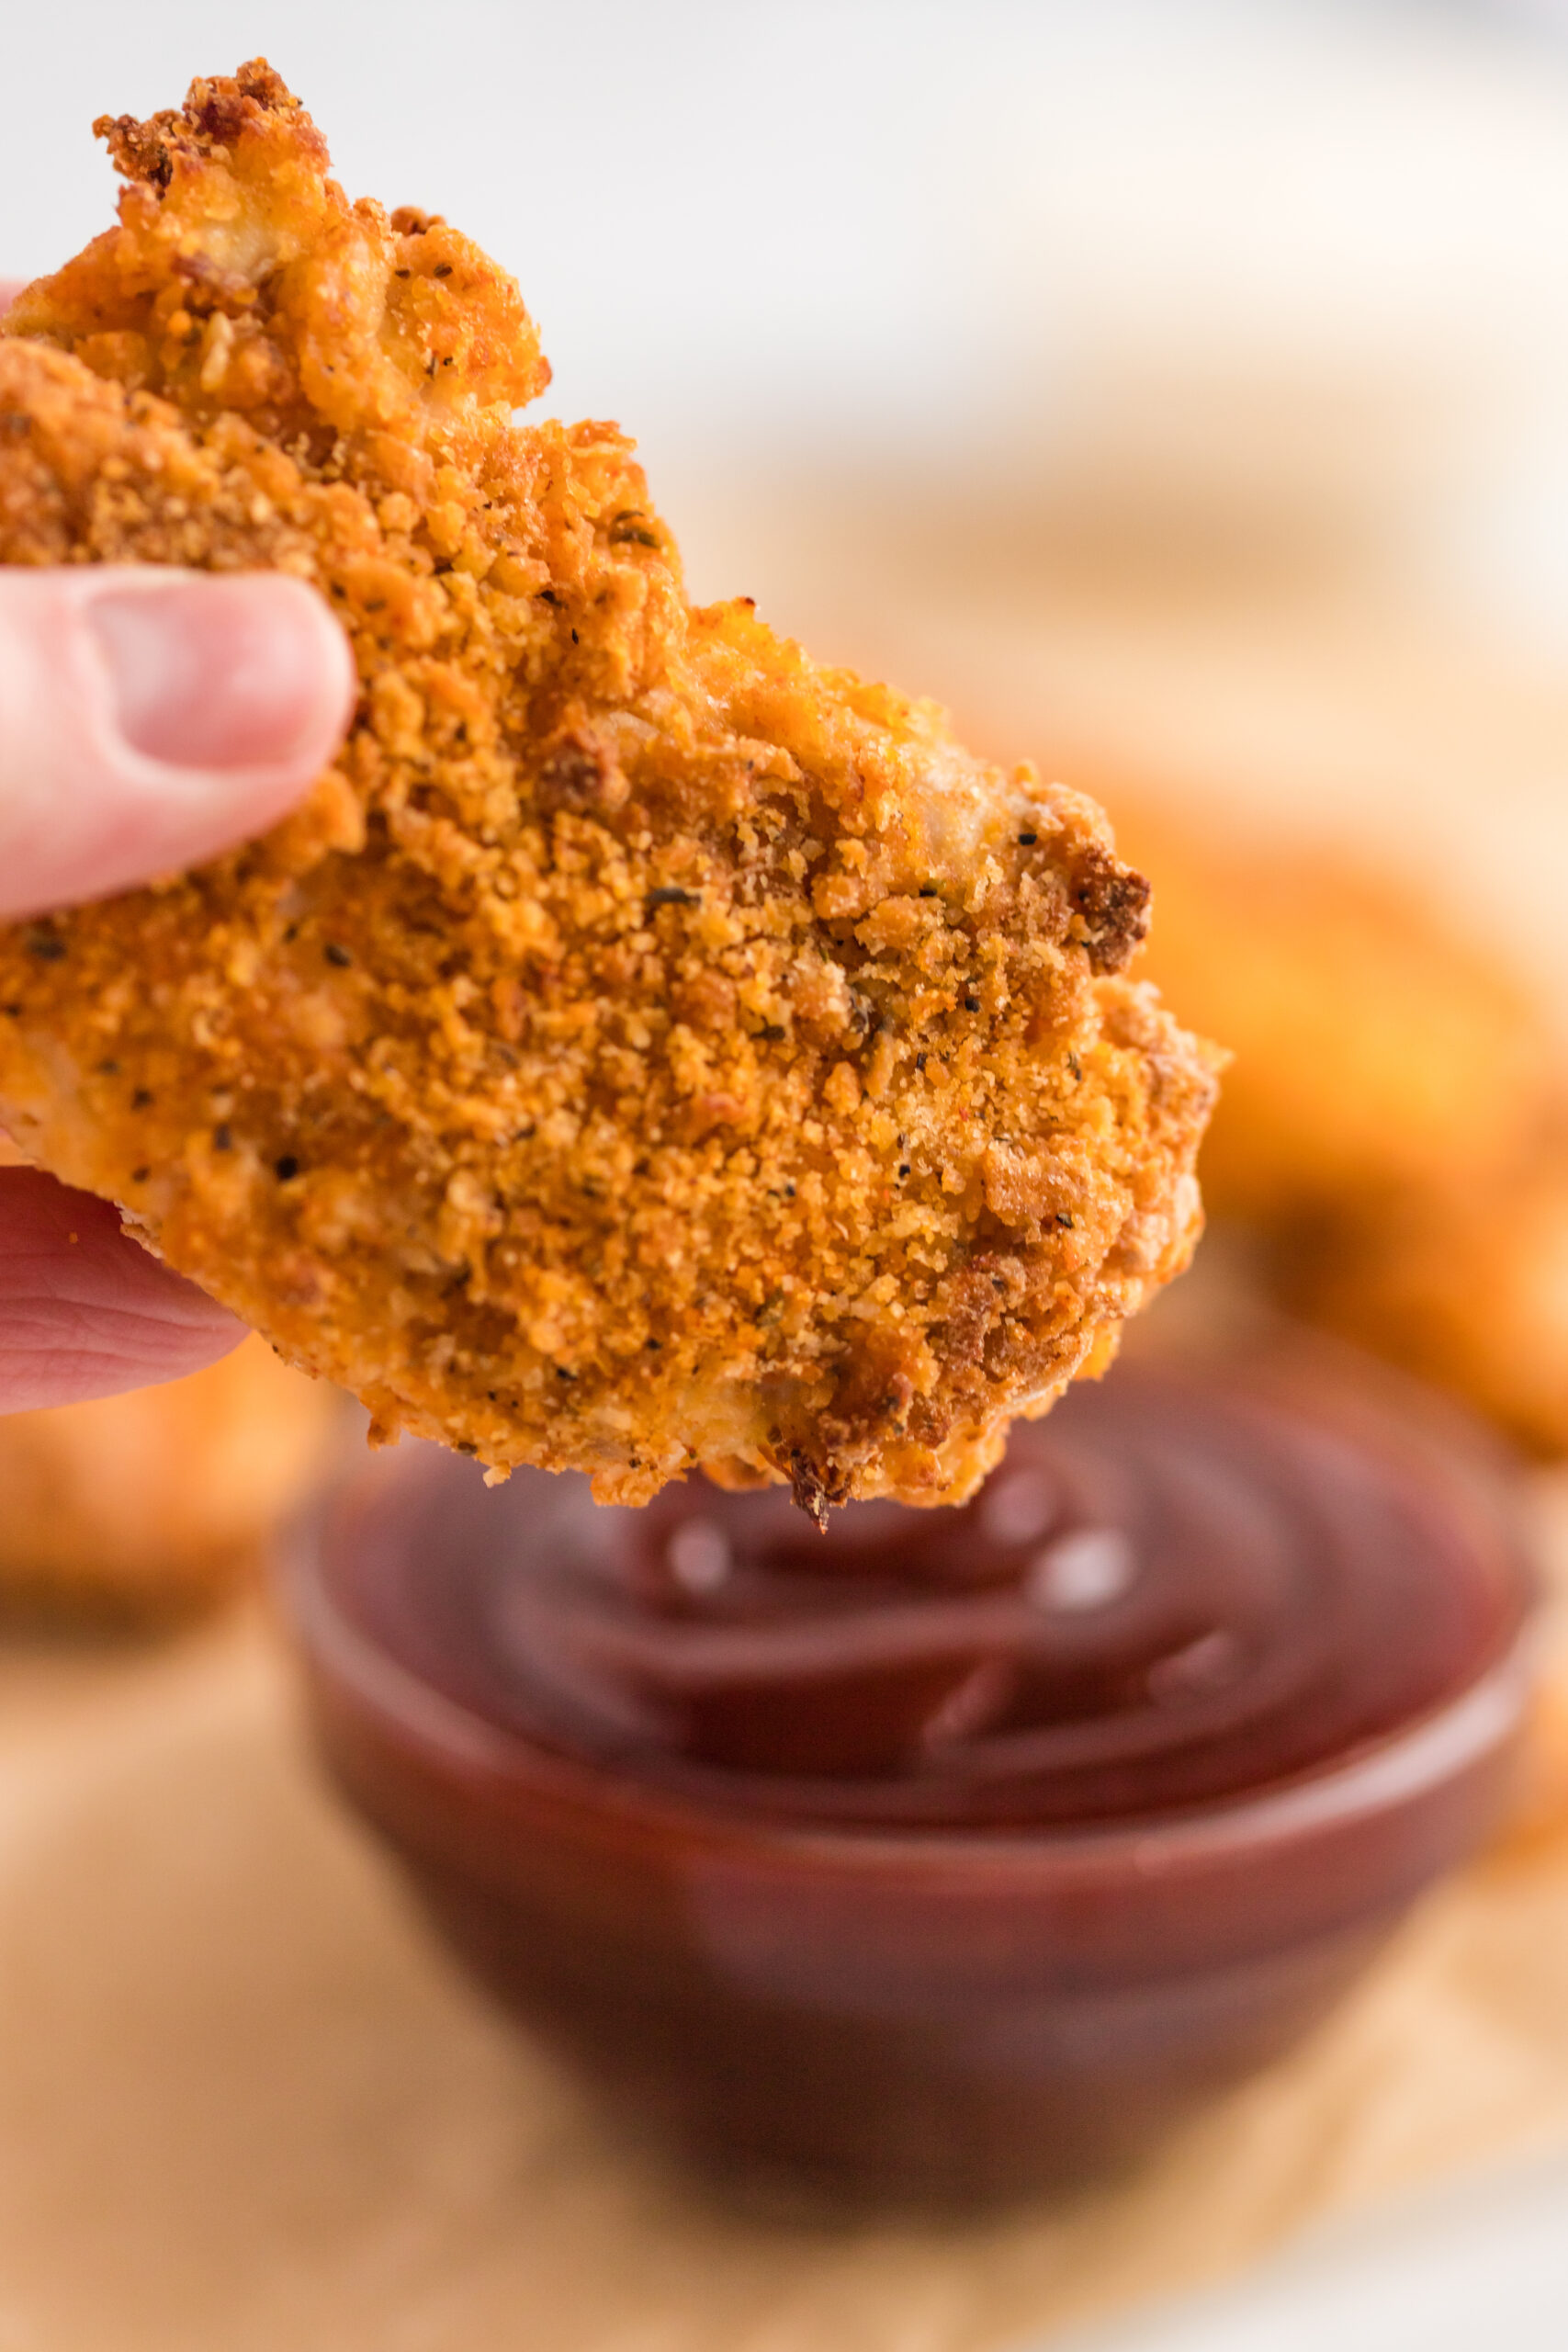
(646, 1047)
(1395, 1128)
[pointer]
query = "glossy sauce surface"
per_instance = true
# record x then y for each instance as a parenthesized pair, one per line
(1171, 1593)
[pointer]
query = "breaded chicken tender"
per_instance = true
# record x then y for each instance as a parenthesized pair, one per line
(646, 1047)
(1463, 1283)
(1395, 1128)
(1374, 1051)
(151, 1507)
(145, 1509)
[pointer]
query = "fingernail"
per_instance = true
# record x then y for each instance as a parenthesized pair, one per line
(229, 672)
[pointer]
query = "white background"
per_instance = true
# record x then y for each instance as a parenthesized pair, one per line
(1223, 242)
(1481, 2267)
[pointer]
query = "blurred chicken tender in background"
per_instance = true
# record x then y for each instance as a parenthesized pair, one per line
(149, 1508)
(1393, 1132)
(140, 1511)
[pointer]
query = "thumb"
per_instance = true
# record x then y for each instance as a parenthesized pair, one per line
(150, 718)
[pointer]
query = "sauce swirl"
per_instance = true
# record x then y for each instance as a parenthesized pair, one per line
(1175, 1591)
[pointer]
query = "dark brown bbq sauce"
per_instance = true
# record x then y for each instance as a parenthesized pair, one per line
(1167, 1597)
(956, 1854)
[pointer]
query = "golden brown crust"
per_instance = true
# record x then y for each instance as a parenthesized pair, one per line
(647, 1047)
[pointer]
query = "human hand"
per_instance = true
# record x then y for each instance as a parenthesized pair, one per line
(149, 718)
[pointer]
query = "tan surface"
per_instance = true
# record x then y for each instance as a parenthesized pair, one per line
(245, 2104)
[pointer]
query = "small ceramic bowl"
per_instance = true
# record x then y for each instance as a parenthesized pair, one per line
(980, 1950)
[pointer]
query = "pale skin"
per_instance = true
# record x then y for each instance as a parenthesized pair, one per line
(148, 720)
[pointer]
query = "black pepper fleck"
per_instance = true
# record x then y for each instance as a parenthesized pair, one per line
(630, 528)
(336, 955)
(223, 1139)
(1026, 841)
(286, 1167)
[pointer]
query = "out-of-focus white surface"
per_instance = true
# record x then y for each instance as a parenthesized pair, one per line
(1487, 2266)
(1208, 251)
(1201, 263)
